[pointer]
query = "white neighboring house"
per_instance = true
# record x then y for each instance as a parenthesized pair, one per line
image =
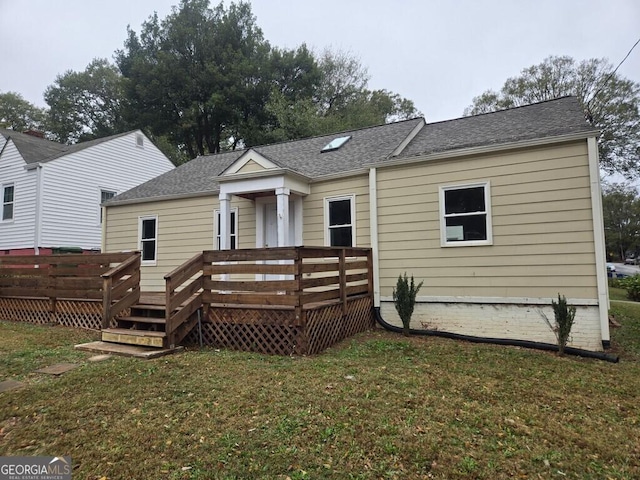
(52, 193)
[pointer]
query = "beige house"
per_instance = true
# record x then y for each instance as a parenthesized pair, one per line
(496, 213)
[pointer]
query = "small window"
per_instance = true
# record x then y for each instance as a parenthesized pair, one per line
(140, 140)
(149, 239)
(8, 192)
(340, 221)
(465, 215)
(104, 196)
(234, 228)
(335, 144)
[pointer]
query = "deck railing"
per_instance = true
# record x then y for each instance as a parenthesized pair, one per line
(183, 290)
(86, 277)
(120, 288)
(283, 278)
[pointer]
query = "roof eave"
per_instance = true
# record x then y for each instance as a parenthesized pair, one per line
(161, 198)
(463, 152)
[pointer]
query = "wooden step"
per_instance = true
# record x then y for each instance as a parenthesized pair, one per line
(138, 319)
(134, 337)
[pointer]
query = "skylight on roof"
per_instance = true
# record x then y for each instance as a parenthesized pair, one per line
(335, 144)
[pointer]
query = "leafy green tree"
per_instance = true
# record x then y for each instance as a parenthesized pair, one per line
(196, 77)
(18, 114)
(621, 212)
(86, 105)
(339, 100)
(610, 102)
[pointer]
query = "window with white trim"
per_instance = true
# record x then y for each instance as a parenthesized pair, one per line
(104, 196)
(339, 219)
(8, 201)
(233, 234)
(465, 215)
(148, 228)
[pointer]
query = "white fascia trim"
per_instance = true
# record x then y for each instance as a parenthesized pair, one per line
(598, 235)
(538, 142)
(179, 196)
(500, 300)
(264, 183)
(275, 172)
(398, 150)
(245, 158)
(373, 229)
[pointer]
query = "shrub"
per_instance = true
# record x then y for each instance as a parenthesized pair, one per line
(564, 317)
(404, 298)
(632, 286)
(616, 282)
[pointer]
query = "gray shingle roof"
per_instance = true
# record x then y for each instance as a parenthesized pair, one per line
(373, 145)
(34, 149)
(540, 120)
(367, 146)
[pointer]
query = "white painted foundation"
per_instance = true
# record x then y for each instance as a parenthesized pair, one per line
(505, 321)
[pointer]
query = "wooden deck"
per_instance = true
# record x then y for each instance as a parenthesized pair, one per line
(288, 300)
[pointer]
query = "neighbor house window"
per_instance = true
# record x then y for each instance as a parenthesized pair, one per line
(8, 192)
(234, 228)
(149, 239)
(139, 140)
(104, 196)
(465, 215)
(340, 214)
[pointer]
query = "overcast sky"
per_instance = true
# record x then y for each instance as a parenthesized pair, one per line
(440, 54)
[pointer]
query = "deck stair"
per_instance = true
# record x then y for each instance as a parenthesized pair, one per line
(145, 324)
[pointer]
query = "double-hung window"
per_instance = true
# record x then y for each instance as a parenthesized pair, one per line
(465, 215)
(149, 239)
(340, 217)
(8, 193)
(233, 234)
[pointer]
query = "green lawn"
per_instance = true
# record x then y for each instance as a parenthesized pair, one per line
(379, 406)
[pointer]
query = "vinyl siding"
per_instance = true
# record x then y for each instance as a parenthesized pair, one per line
(185, 227)
(313, 210)
(543, 242)
(72, 185)
(19, 232)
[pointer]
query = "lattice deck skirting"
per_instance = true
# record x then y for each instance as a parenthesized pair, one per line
(77, 313)
(278, 332)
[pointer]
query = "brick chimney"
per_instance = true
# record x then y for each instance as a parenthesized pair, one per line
(34, 133)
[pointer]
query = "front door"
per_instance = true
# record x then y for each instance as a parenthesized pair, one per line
(270, 225)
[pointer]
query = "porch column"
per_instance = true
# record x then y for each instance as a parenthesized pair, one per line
(298, 219)
(225, 221)
(282, 194)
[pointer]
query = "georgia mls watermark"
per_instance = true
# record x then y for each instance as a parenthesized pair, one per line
(35, 468)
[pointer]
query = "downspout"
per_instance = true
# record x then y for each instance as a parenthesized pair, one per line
(373, 228)
(598, 234)
(37, 230)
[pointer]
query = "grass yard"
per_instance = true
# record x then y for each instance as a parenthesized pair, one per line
(379, 406)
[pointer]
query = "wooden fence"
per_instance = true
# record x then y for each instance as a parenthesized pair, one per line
(69, 289)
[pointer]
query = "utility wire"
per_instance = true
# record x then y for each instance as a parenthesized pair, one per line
(611, 75)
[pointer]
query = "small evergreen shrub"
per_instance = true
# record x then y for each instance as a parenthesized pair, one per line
(632, 286)
(404, 299)
(564, 317)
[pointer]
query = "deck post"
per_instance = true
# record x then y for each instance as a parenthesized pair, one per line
(343, 280)
(370, 275)
(107, 284)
